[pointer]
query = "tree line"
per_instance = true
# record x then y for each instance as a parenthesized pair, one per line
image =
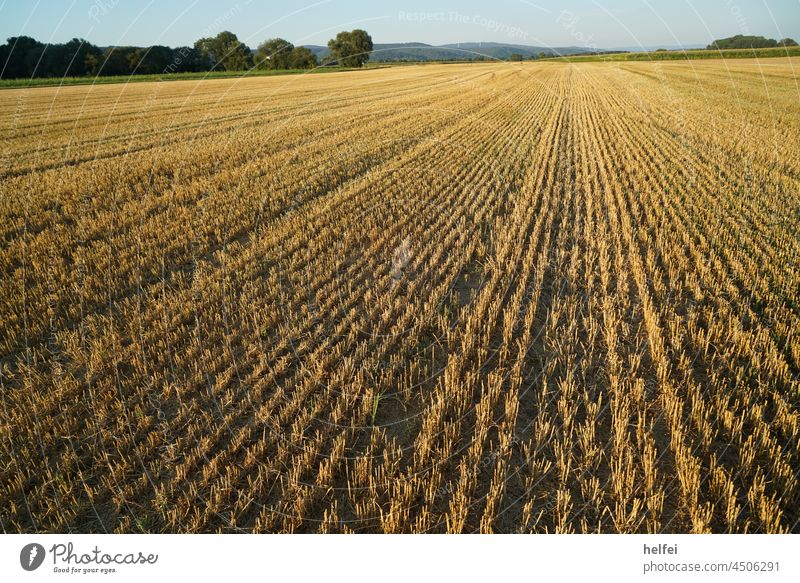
(741, 41)
(25, 57)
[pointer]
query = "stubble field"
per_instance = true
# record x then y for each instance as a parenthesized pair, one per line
(450, 298)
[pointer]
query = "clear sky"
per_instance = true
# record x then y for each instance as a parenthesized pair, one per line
(592, 23)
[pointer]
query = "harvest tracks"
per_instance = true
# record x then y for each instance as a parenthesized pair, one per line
(482, 298)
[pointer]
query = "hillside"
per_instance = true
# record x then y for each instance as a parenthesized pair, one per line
(413, 51)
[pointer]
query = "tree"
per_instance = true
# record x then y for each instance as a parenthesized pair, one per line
(26, 57)
(187, 60)
(92, 63)
(117, 61)
(328, 61)
(19, 57)
(274, 53)
(66, 60)
(741, 41)
(351, 49)
(150, 60)
(787, 42)
(302, 58)
(515, 57)
(225, 51)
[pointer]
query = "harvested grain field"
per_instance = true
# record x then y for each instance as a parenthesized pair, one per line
(539, 297)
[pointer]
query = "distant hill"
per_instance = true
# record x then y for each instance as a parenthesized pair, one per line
(653, 48)
(469, 51)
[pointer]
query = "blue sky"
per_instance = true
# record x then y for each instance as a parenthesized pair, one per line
(593, 23)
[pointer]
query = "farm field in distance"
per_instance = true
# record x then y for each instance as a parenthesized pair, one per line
(513, 298)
